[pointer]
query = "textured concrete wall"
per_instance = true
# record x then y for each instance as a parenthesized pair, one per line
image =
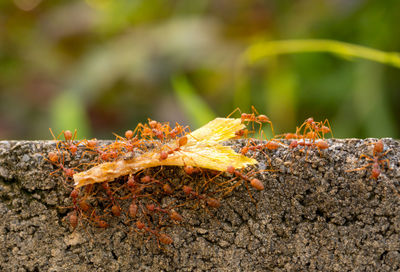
(312, 215)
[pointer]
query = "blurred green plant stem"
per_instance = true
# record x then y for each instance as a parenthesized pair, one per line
(262, 50)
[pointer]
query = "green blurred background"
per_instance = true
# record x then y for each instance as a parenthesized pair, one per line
(102, 66)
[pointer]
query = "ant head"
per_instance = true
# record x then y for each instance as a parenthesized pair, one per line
(375, 172)
(151, 207)
(188, 169)
(74, 193)
(69, 172)
(230, 169)
(153, 123)
(163, 155)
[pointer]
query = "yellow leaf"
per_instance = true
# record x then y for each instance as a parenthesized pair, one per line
(201, 150)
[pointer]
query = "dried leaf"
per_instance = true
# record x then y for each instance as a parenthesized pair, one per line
(201, 150)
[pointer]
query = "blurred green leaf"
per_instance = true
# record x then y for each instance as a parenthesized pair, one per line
(194, 106)
(68, 112)
(346, 50)
(280, 94)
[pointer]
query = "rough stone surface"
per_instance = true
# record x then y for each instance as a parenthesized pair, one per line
(312, 215)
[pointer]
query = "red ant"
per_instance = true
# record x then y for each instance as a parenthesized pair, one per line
(136, 187)
(178, 130)
(129, 142)
(167, 189)
(243, 133)
(190, 170)
(80, 208)
(375, 160)
(254, 182)
(96, 219)
(54, 158)
(133, 185)
(212, 202)
(108, 153)
(172, 214)
(154, 129)
(320, 144)
(313, 130)
(69, 140)
(180, 142)
(115, 208)
(161, 237)
(253, 117)
(270, 145)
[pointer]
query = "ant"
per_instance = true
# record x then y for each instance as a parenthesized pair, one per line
(69, 140)
(178, 130)
(156, 129)
(212, 202)
(108, 153)
(376, 160)
(270, 145)
(180, 142)
(54, 158)
(128, 143)
(253, 117)
(314, 130)
(80, 208)
(161, 237)
(171, 213)
(254, 182)
(96, 219)
(320, 144)
(190, 170)
(243, 133)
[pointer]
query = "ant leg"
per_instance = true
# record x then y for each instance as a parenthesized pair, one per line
(366, 157)
(387, 163)
(360, 168)
(237, 109)
(326, 122)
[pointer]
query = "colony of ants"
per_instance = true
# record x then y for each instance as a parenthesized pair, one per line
(139, 198)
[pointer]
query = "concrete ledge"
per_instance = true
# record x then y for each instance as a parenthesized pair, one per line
(312, 215)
